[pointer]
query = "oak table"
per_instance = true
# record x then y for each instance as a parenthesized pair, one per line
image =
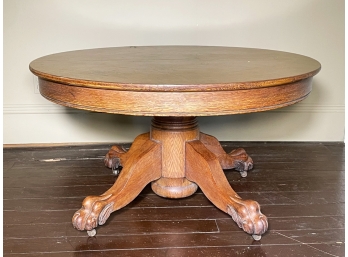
(175, 84)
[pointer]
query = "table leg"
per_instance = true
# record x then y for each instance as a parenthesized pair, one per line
(237, 159)
(117, 156)
(203, 168)
(141, 165)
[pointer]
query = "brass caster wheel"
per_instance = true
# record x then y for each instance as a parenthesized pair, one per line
(92, 232)
(244, 174)
(116, 171)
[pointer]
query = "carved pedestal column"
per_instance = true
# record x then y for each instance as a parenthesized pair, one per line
(172, 133)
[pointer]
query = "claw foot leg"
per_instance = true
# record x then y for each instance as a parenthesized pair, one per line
(95, 211)
(237, 159)
(140, 168)
(247, 215)
(112, 159)
(117, 155)
(203, 168)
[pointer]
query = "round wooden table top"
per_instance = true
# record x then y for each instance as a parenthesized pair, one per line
(175, 80)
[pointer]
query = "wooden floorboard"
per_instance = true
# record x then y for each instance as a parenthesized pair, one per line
(300, 187)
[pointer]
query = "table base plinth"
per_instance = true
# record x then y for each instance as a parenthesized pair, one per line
(173, 187)
(176, 158)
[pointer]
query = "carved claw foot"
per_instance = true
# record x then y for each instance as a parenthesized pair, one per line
(247, 215)
(242, 162)
(112, 159)
(237, 159)
(117, 155)
(95, 211)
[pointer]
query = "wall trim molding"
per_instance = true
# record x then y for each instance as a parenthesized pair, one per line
(311, 108)
(57, 109)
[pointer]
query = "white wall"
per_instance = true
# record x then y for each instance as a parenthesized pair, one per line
(33, 28)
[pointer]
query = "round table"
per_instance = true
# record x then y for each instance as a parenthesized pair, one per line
(175, 84)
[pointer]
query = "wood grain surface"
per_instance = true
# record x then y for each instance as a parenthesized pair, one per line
(175, 80)
(175, 68)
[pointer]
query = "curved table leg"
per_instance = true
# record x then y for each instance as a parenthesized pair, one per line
(142, 165)
(116, 156)
(237, 159)
(203, 168)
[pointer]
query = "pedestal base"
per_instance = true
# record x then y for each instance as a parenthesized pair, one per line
(174, 187)
(176, 158)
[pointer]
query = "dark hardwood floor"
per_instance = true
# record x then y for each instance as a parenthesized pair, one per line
(300, 187)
